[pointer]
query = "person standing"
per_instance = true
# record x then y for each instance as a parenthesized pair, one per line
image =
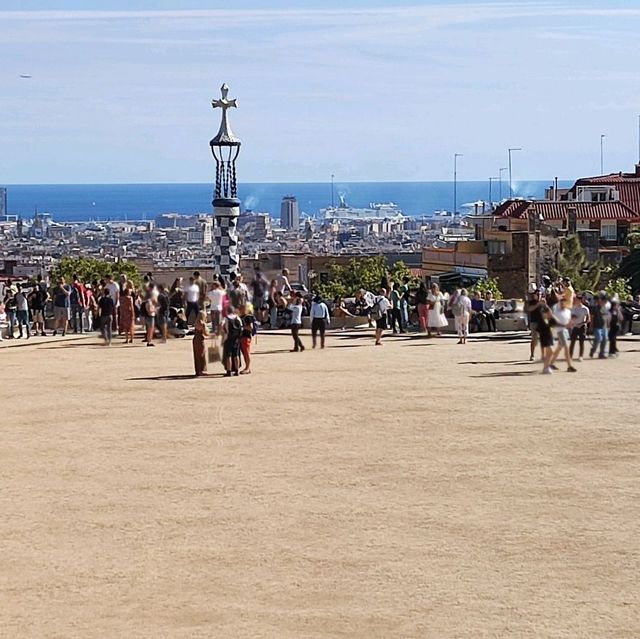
(216, 304)
(533, 308)
(614, 327)
(22, 311)
(396, 309)
(248, 331)
(435, 318)
(231, 334)
(127, 316)
(192, 293)
(176, 294)
(282, 282)
(422, 305)
(78, 304)
(379, 312)
(295, 308)
(106, 310)
(545, 335)
(61, 306)
(260, 291)
(320, 319)
(38, 301)
(162, 316)
(580, 318)
(404, 302)
(151, 310)
(200, 333)
(114, 291)
(600, 320)
(202, 289)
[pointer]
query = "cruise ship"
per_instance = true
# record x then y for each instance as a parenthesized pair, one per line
(374, 211)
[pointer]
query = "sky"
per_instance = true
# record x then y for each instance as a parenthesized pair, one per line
(367, 90)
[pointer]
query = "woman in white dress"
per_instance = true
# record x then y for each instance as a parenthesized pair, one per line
(435, 317)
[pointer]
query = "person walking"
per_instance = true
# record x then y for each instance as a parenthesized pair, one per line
(200, 333)
(295, 308)
(461, 309)
(580, 319)
(10, 309)
(127, 316)
(22, 311)
(545, 336)
(106, 310)
(562, 323)
(533, 308)
(320, 319)
(435, 317)
(246, 337)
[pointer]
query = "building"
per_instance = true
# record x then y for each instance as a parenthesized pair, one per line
(289, 213)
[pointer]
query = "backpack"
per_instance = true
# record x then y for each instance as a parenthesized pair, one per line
(457, 308)
(376, 311)
(234, 329)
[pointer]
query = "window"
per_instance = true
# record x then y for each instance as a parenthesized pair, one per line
(496, 247)
(608, 230)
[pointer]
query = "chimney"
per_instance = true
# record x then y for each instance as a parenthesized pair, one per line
(572, 220)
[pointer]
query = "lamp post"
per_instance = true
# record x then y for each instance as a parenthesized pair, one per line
(602, 137)
(332, 200)
(502, 170)
(511, 150)
(455, 181)
(491, 179)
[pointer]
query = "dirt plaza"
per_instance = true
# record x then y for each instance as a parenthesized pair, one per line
(420, 489)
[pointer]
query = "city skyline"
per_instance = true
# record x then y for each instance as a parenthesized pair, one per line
(122, 93)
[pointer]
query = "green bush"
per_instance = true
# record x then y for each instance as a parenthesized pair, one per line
(89, 269)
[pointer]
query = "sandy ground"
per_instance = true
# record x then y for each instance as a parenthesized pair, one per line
(421, 489)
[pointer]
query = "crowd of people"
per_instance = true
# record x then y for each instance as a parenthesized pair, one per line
(561, 318)
(224, 315)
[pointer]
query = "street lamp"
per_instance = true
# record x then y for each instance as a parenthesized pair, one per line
(510, 178)
(455, 181)
(502, 170)
(491, 179)
(602, 137)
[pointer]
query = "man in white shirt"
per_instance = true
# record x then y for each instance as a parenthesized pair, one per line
(381, 306)
(320, 319)
(192, 295)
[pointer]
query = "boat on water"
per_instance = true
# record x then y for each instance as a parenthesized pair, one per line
(374, 211)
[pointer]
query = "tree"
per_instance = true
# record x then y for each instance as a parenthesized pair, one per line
(573, 263)
(630, 269)
(618, 287)
(633, 239)
(364, 272)
(490, 285)
(89, 269)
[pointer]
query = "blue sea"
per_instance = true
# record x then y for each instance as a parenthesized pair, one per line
(78, 202)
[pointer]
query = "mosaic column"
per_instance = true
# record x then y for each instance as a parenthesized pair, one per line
(225, 148)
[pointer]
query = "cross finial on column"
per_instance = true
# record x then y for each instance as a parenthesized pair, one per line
(225, 134)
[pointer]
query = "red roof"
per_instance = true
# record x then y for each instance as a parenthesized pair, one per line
(520, 209)
(627, 185)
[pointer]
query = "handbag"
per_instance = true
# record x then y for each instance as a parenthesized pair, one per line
(213, 352)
